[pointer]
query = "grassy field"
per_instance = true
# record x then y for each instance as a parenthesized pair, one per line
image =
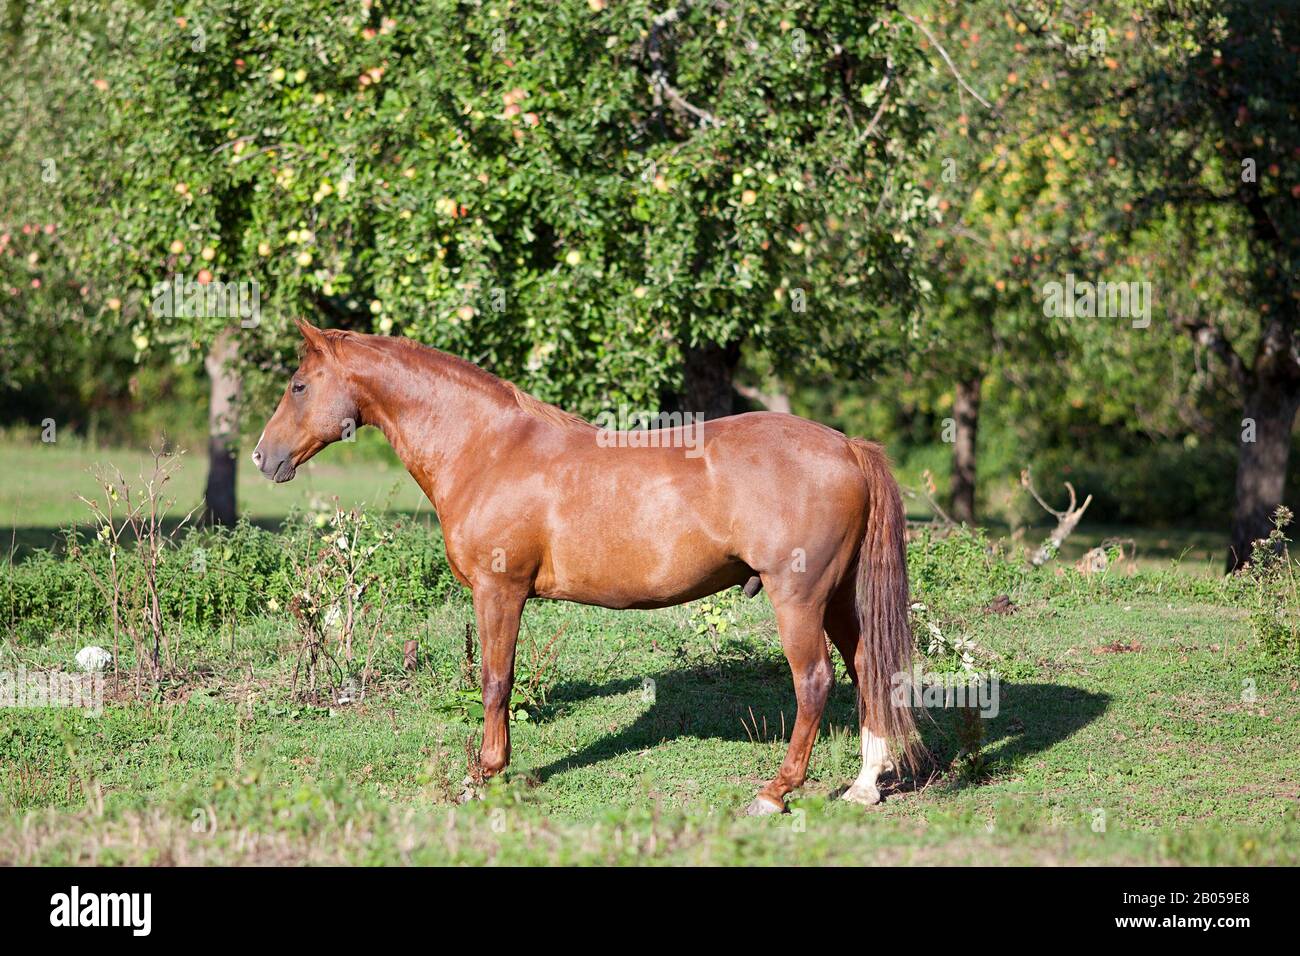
(1138, 722)
(650, 741)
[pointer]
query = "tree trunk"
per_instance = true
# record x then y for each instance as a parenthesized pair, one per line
(222, 364)
(1261, 466)
(966, 417)
(708, 371)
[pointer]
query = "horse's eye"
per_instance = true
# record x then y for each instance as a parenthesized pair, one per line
(298, 387)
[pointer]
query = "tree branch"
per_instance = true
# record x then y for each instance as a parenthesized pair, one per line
(659, 75)
(947, 59)
(1208, 335)
(883, 91)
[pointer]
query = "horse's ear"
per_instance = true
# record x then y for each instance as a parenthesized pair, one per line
(313, 336)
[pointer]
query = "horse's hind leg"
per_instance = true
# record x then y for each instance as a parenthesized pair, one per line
(800, 626)
(842, 626)
(844, 632)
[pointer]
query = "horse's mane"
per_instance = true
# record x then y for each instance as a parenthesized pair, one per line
(466, 370)
(540, 409)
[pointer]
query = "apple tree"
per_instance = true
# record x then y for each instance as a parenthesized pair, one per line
(603, 202)
(1198, 124)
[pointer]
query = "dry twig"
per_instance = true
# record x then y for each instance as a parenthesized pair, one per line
(1065, 520)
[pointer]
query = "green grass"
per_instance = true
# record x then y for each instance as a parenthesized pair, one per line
(224, 767)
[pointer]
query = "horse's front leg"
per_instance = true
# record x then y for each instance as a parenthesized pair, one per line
(498, 610)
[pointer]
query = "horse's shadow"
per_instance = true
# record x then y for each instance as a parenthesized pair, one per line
(754, 700)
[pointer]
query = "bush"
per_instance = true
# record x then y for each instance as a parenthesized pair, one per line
(961, 567)
(957, 571)
(210, 575)
(1275, 617)
(44, 593)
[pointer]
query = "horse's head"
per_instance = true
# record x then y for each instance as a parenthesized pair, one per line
(317, 409)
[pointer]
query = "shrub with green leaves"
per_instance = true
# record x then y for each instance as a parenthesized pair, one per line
(1275, 617)
(212, 575)
(960, 567)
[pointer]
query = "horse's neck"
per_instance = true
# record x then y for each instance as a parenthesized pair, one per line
(433, 413)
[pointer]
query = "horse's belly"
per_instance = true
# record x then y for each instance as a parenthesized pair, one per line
(651, 571)
(639, 593)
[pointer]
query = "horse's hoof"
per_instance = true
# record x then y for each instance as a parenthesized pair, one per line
(762, 806)
(867, 796)
(469, 790)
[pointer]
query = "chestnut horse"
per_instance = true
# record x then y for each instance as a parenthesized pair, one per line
(536, 502)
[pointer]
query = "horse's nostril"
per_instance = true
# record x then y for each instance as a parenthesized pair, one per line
(257, 458)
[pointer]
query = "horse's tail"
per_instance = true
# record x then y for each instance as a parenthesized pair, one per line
(885, 644)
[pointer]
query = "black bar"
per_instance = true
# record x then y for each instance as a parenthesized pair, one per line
(236, 906)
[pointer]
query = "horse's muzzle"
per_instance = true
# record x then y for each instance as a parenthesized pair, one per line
(283, 470)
